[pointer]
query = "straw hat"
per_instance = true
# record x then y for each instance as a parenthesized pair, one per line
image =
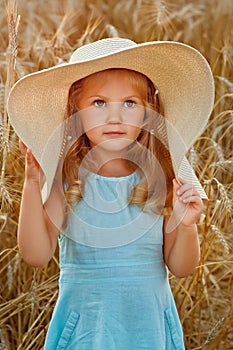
(37, 102)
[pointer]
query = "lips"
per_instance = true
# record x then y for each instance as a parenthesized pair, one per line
(114, 133)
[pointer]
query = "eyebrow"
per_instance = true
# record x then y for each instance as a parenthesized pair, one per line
(122, 98)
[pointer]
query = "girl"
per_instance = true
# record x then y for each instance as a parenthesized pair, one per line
(114, 205)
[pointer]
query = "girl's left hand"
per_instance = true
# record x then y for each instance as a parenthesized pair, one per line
(187, 203)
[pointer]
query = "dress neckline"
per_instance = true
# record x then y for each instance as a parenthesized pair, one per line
(113, 178)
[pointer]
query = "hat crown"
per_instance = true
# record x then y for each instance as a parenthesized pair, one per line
(101, 48)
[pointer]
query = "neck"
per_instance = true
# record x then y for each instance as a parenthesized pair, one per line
(109, 164)
(116, 168)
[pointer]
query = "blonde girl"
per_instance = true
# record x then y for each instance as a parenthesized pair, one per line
(118, 193)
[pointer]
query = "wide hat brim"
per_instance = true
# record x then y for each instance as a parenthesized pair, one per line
(37, 102)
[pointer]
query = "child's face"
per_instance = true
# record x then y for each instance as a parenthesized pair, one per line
(112, 109)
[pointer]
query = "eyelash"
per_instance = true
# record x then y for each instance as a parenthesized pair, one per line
(103, 103)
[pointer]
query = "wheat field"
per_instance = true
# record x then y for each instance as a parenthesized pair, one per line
(38, 34)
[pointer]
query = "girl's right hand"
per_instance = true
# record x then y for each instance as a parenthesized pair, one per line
(33, 171)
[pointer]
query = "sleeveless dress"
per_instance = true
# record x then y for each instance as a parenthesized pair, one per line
(114, 292)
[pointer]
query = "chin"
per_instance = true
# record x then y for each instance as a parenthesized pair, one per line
(115, 145)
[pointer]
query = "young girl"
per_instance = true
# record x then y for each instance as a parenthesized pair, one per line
(114, 205)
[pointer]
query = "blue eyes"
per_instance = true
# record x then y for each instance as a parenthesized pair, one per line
(129, 104)
(99, 103)
(102, 103)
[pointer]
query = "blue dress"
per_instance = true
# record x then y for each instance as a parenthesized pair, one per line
(114, 292)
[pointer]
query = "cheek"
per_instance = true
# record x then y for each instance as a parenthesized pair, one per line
(89, 122)
(135, 117)
(135, 126)
(92, 134)
(133, 132)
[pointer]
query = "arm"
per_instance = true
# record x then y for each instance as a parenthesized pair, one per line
(37, 235)
(181, 243)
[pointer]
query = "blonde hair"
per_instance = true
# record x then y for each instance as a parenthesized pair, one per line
(152, 138)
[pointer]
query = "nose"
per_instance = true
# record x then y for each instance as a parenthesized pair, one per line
(114, 114)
